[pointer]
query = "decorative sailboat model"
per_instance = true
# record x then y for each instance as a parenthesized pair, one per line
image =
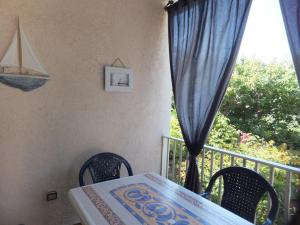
(19, 68)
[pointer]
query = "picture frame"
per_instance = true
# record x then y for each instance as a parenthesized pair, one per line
(118, 79)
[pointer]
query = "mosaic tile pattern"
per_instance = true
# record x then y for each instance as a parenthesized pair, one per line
(183, 195)
(102, 207)
(152, 207)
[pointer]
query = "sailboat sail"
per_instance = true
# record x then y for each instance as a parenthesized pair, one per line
(29, 60)
(20, 55)
(11, 57)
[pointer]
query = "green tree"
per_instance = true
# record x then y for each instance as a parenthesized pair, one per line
(264, 99)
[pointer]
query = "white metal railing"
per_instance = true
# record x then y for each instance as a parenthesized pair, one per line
(175, 162)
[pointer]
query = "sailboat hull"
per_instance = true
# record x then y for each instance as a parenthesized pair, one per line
(22, 82)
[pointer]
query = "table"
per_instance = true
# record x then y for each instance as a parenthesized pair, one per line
(147, 199)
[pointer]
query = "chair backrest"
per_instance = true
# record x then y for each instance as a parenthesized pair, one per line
(104, 166)
(243, 189)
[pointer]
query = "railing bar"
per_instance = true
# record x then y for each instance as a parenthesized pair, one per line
(174, 162)
(173, 138)
(163, 156)
(271, 180)
(287, 197)
(187, 160)
(220, 179)
(168, 153)
(256, 168)
(272, 165)
(244, 162)
(232, 160)
(202, 169)
(261, 161)
(180, 160)
(211, 164)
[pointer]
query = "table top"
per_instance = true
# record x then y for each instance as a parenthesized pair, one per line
(147, 199)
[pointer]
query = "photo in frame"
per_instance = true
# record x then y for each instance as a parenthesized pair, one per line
(118, 79)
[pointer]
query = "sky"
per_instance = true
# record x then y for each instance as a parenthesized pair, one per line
(265, 36)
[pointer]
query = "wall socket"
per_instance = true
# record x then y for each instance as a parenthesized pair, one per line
(51, 195)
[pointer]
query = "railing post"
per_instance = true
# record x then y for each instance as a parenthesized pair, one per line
(256, 168)
(187, 160)
(271, 180)
(220, 179)
(174, 162)
(287, 197)
(232, 160)
(180, 160)
(165, 157)
(244, 163)
(202, 169)
(211, 164)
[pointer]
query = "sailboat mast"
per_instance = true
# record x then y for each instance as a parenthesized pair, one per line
(19, 46)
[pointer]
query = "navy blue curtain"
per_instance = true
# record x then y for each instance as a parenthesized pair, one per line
(291, 16)
(204, 39)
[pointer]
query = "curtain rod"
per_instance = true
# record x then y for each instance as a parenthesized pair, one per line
(172, 4)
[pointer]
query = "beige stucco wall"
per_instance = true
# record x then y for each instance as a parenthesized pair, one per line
(45, 135)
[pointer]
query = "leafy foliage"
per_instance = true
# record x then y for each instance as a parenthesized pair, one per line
(264, 99)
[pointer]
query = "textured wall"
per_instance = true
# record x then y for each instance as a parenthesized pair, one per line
(45, 135)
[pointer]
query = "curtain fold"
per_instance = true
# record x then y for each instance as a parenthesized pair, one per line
(291, 16)
(290, 10)
(204, 38)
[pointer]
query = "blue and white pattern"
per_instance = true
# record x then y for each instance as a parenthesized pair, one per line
(149, 206)
(180, 193)
(111, 217)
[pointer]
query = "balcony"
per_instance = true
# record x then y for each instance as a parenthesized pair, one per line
(175, 162)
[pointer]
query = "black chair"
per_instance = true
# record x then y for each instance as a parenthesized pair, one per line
(243, 189)
(104, 166)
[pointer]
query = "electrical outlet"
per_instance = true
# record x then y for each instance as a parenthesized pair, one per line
(51, 195)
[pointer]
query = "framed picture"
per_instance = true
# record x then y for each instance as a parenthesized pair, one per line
(118, 79)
